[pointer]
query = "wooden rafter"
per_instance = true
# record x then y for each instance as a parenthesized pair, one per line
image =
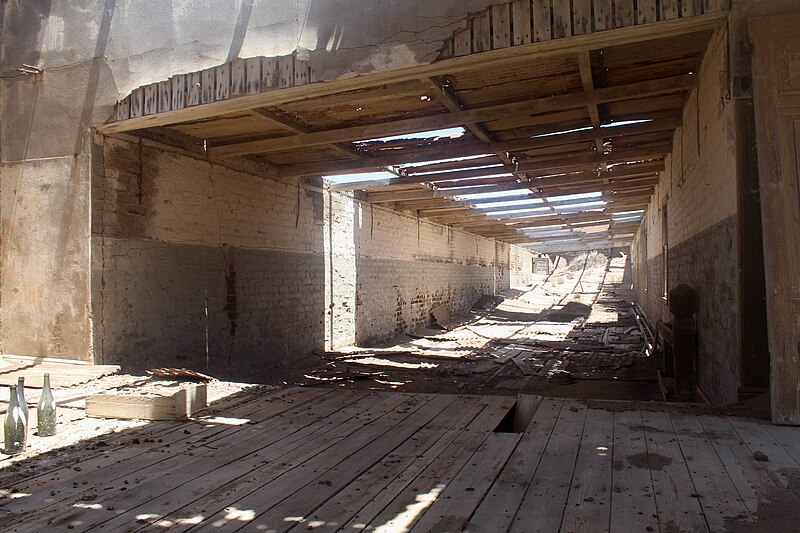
(293, 127)
(444, 95)
(439, 121)
(412, 195)
(536, 50)
(585, 66)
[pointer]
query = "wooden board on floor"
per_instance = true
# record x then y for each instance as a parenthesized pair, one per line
(178, 405)
(331, 460)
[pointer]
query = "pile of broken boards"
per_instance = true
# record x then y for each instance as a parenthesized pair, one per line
(498, 349)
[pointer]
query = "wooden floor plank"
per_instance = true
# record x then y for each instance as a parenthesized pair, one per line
(327, 460)
(633, 506)
(454, 505)
(589, 505)
(775, 459)
(436, 475)
(753, 483)
(266, 496)
(415, 451)
(221, 484)
(789, 438)
(140, 488)
(214, 490)
(160, 434)
(720, 500)
(498, 509)
(311, 496)
(78, 483)
(542, 507)
(676, 495)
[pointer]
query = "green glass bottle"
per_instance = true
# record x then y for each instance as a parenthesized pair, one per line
(21, 396)
(14, 430)
(46, 410)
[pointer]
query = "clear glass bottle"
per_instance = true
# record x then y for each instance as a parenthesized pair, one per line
(46, 410)
(23, 404)
(15, 426)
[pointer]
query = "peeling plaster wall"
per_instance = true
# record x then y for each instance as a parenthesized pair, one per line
(699, 191)
(45, 257)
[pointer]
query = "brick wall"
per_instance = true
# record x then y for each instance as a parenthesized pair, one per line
(699, 191)
(230, 271)
(197, 264)
(390, 269)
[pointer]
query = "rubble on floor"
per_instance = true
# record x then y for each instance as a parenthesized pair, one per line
(575, 325)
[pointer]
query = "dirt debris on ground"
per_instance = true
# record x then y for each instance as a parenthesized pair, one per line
(572, 333)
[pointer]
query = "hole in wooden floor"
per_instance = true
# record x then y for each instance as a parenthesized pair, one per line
(519, 415)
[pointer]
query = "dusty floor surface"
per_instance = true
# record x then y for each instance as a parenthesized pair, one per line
(308, 458)
(571, 334)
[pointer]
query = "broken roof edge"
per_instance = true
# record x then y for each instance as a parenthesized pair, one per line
(228, 88)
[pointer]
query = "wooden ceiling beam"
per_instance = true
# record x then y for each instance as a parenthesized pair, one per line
(554, 140)
(635, 171)
(635, 200)
(439, 121)
(449, 203)
(518, 220)
(587, 80)
(568, 162)
(495, 58)
(277, 120)
(446, 97)
(333, 168)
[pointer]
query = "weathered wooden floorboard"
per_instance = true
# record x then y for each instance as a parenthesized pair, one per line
(633, 506)
(498, 508)
(720, 500)
(676, 496)
(179, 468)
(437, 474)
(543, 505)
(112, 465)
(589, 505)
(395, 468)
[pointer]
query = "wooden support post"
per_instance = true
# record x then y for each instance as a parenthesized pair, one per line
(151, 99)
(602, 15)
(270, 73)
(209, 89)
(581, 17)
(646, 11)
(238, 77)
(481, 33)
(562, 19)
(253, 75)
(164, 96)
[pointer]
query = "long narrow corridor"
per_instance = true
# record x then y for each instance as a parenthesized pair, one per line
(572, 333)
